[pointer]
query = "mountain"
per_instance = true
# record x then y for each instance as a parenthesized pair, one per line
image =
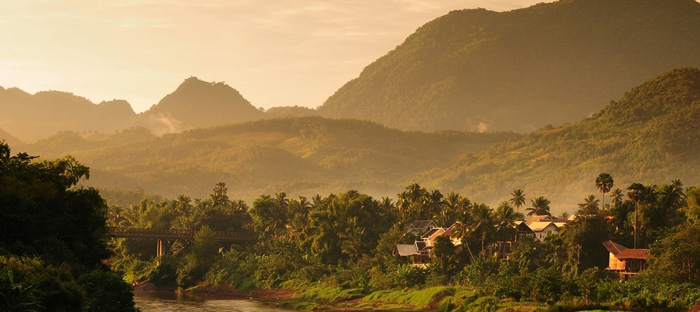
(301, 156)
(520, 70)
(195, 104)
(32, 117)
(650, 135)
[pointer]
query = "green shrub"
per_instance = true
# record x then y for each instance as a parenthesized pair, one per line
(107, 292)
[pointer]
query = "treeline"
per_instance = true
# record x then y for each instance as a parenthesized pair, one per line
(52, 239)
(341, 247)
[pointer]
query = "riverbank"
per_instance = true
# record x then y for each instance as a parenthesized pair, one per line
(441, 298)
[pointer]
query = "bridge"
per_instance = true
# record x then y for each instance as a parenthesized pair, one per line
(160, 235)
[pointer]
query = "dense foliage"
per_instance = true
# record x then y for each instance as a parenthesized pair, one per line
(52, 239)
(340, 247)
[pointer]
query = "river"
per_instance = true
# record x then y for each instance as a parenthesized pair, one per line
(162, 302)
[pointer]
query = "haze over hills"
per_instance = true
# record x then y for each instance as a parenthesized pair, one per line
(520, 70)
(650, 135)
(32, 117)
(302, 156)
(472, 70)
(196, 104)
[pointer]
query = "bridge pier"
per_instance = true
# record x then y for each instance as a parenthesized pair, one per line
(160, 250)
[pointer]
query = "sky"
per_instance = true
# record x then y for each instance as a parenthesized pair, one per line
(275, 53)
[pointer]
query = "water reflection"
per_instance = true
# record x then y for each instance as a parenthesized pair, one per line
(173, 303)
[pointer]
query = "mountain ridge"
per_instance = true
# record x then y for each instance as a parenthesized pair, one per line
(519, 70)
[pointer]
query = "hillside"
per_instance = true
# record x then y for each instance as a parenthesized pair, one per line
(520, 70)
(196, 104)
(302, 156)
(30, 117)
(650, 135)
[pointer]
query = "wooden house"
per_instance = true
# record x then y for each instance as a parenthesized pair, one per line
(626, 261)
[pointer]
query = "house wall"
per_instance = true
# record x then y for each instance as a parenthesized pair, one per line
(615, 263)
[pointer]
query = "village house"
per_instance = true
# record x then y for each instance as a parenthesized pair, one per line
(420, 252)
(419, 227)
(415, 253)
(625, 261)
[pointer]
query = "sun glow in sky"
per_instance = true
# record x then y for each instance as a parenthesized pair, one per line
(276, 53)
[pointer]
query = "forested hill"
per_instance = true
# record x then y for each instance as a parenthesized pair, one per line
(196, 104)
(30, 117)
(650, 135)
(520, 70)
(301, 156)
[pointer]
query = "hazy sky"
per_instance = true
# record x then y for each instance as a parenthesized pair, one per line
(276, 53)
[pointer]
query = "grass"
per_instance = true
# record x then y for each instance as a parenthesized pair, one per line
(420, 298)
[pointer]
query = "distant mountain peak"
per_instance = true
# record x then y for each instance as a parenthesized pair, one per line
(197, 103)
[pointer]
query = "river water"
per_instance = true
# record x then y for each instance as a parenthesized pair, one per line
(172, 303)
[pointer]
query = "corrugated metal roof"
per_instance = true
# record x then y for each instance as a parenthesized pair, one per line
(613, 247)
(622, 252)
(405, 250)
(633, 254)
(540, 226)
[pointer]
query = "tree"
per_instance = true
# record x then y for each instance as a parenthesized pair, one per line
(604, 182)
(483, 222)
(435, 203)
(540, 206)
(616, 196)
(676, 258)
(672, 198)
(589, 206)
(454, 206)
(518, 198)
(269, 218)
(505, 221)
(44, 213)
(641, 195)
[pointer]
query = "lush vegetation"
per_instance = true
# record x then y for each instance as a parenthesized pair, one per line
(337, 251)
(650, 134)
(52, 239)
(300, 155)
(477, 69)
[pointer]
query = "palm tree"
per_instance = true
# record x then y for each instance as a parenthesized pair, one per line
(483, 223)
(351, 243)
(505, 221)
(540, 206)
(435, 203)
(460, 231)
(604, 182)
(641, 195)
(616, 196)
(673, 197)
(518, 199)
(589, 206)
(455, 205)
